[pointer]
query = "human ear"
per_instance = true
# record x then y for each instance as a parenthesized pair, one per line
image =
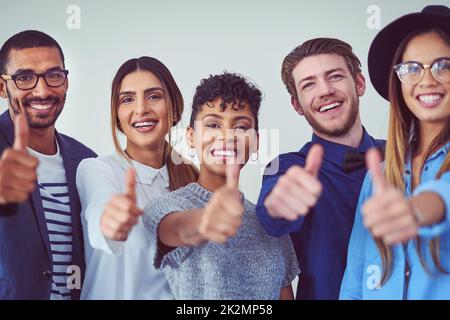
(360, 85)
(3, 91)
(297, 106)
(190, 137)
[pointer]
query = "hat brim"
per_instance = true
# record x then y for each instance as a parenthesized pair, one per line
(386, 42)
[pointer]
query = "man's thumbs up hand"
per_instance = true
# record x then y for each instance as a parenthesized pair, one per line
(298, 190)
(17, 168)
(21, 132)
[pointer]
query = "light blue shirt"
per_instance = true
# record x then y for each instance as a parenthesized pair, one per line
(408, 279)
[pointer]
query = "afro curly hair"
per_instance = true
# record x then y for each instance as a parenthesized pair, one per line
(233, 89)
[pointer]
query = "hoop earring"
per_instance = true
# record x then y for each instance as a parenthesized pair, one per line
(191, 152)
(257, 156)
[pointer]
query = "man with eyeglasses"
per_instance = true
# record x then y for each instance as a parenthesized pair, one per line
(41, 242)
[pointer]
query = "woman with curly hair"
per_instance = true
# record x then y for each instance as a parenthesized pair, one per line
(210, 243)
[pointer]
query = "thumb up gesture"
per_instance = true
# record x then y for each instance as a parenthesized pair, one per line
(121, 212)
(387, 214)
(222, 217)
(17, 168)
(298, 190)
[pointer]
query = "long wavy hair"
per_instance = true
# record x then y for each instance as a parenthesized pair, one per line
(181, 172)
(404, 133)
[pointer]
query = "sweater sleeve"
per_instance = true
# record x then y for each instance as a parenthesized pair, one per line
(156, 210)
(290, 257)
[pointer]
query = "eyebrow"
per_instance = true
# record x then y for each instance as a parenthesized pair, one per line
(326, 73)
(437, 59)
(243, 118)
(221, 118)
(212, 116)
(146, 91)
(33, 71)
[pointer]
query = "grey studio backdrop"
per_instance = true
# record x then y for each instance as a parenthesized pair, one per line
(195, 38)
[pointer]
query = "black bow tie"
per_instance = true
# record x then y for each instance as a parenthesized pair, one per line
(354, 160)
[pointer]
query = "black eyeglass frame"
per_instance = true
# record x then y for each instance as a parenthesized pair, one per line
(13, 77)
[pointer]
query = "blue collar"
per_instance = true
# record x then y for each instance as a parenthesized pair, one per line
(445, 149)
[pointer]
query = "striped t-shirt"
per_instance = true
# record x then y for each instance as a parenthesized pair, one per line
(56, 203)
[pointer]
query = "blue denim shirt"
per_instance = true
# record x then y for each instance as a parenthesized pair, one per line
(408, 279)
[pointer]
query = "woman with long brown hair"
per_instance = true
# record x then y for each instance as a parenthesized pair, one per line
(145, 103)
(400, 243)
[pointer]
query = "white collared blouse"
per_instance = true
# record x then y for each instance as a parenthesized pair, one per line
(119, 269)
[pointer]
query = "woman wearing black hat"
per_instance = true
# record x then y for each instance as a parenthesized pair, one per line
(400, 243)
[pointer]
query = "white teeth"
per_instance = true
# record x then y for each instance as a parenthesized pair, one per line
(144, 124)
(41, 106)
(429, 98)
(329, 106)
(224, 153)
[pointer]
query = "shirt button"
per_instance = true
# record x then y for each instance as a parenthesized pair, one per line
(408, 172)
(46, 275)
(426, 168)
(407, 273)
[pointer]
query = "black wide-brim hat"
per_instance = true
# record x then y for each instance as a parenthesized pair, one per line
(386, 42)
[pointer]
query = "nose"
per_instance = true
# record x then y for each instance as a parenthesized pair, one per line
(41, 89)
(227, 135)
(325, 88)
(428, 80)
(141, 105)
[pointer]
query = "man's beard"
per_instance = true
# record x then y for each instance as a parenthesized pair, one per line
(32, 121)
(342, 129)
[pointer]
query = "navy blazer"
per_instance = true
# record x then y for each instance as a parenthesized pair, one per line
(25, 256)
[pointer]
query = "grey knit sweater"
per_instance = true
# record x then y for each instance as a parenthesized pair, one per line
(251, 265)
